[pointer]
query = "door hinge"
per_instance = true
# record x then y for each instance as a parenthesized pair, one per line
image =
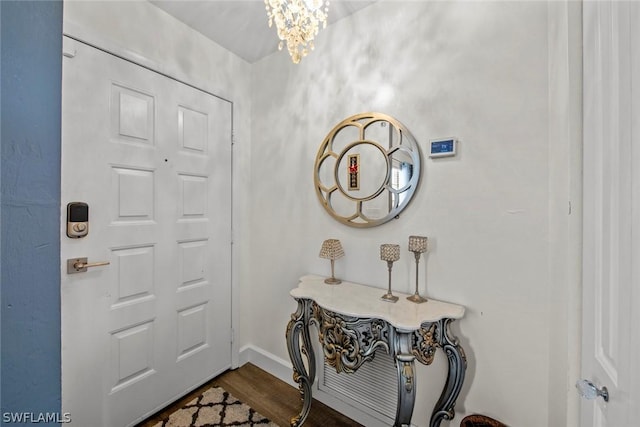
(233, 335)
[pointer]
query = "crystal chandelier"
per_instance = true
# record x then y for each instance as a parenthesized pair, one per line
(297, 22)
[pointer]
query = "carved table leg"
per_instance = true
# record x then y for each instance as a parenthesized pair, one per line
(405, 364)
(298, 327)
(444, 408)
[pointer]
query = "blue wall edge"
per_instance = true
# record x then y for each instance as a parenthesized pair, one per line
(30, 145)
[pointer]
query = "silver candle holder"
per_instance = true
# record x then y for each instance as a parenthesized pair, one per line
(389, 253)
(417, 245)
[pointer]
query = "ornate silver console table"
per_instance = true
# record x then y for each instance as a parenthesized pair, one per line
(353, 323)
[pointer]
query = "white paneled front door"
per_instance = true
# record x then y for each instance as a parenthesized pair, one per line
(611, 271)
(152, 159)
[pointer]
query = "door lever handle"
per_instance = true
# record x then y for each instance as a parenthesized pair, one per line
(80, 265)
(589, 391)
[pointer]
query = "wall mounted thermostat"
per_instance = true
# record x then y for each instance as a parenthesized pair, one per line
(77, 220)
(442, 147)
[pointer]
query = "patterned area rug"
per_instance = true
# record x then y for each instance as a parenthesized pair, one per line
(215, 408)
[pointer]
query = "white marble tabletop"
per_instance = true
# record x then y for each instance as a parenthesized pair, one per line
(352, 299)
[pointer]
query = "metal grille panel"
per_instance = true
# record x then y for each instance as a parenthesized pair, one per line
(374, 385)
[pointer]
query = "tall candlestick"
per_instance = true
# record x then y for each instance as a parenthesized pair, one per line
(417, 245)
(389, 253)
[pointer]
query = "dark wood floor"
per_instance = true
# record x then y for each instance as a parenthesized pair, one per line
(271, 397)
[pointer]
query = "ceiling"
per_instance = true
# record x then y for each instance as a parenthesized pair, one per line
(241, 26)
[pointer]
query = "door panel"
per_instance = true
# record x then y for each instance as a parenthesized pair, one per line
(152, 158)
(608, 210)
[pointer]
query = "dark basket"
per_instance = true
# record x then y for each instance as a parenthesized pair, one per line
(480, 421)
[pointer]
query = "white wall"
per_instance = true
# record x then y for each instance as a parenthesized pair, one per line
(475, 70)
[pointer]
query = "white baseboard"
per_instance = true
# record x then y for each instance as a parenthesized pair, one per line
(279, 368)
(283, 370)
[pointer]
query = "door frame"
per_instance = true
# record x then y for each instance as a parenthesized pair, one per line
(634, 411)
(565, 209)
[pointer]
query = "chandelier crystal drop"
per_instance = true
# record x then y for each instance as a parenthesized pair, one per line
(297, 22)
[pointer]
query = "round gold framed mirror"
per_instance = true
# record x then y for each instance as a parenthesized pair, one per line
(367, 170)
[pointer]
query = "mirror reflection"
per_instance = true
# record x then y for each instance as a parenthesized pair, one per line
(367, 170)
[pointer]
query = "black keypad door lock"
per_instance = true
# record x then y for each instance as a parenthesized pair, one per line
(77, 220)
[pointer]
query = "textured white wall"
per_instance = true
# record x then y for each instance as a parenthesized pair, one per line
(474, 70)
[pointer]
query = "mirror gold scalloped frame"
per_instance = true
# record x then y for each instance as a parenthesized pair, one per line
(367, 170)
